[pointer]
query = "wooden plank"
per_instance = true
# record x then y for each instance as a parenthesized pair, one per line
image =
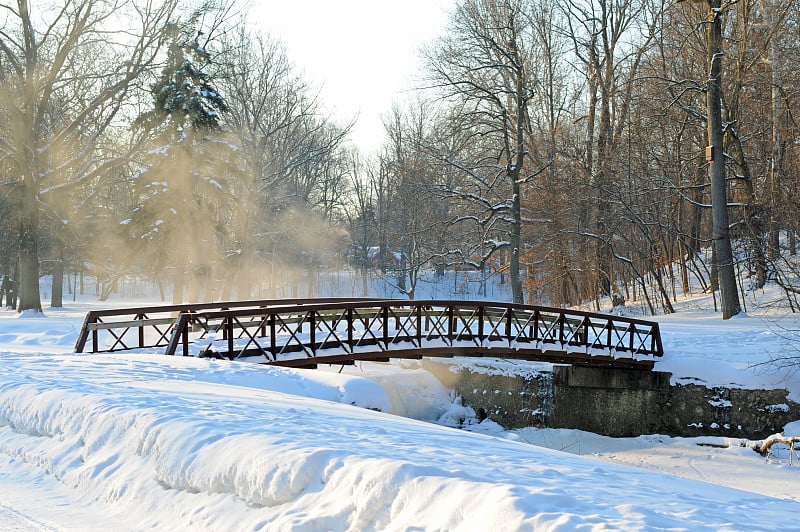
(146, 322)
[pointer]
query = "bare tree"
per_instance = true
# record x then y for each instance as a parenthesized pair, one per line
(483, 67)
(291, 152)
(729, 293)
(47, 49)
(412, 224)
(610, 39)
(361, 218)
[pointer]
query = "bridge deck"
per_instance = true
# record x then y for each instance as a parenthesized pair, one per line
(304, 333)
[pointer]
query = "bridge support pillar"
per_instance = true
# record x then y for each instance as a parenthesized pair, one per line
(592, 377)
(614, 402)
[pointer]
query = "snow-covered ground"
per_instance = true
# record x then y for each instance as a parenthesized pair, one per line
(135, 440)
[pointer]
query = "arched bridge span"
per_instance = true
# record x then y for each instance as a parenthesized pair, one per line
(305, 333)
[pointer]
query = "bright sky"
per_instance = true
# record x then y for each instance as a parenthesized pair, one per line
(363, 54)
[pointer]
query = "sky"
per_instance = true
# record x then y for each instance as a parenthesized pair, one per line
(361, 53)
(137, 440)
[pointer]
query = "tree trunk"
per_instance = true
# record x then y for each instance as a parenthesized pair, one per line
(776, 159)
(195, 286)
(57, 295)
(364, 283)
(666, 304)
(243, 278)
(713, 273)
(763, 447)
(684, 275)
(29, 296)
(516, 230)
(729, 294)
(5, 290)
(603, 178)
(13, 290)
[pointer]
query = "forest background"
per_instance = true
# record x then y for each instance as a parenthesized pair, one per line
(569, 147)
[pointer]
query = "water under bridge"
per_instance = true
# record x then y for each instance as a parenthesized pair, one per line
(308, 332)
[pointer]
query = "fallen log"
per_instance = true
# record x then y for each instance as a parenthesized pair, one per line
(762, 447)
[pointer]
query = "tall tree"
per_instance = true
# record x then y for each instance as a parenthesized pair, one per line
(729, 293)
(610, 38)
(46, 49)
(483, 67)
(179, 191)
(412, 226)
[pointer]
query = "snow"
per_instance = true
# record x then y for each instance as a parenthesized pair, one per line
(739, 352)
(137, 440)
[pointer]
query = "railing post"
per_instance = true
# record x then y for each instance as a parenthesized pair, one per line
(531, 333)
(185, 338)
(561, 320)
(631, 333)
(508, 324)
(586, 331)
(80, 344)
(481, 313)
(349, 315)
(536, 325)
(419, 326)
(273, 348)
(451, 322)
(141, 329)
(228, 325)
(180, 326)
(610, 326)
(385, 320)
(658, 349)
(312, 333)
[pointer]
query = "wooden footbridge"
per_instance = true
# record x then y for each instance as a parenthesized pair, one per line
(308, 332)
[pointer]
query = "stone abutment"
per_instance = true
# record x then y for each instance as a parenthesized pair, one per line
(618, 402)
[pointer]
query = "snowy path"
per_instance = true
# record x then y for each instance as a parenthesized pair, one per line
(32, 501)
(12, 520)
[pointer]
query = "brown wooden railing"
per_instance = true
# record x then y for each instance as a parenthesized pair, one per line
(144, 327)
(304, 333)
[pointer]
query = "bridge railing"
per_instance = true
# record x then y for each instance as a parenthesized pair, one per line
(291, 335)
(153, 326)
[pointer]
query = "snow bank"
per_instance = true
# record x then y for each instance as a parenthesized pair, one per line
(203, 444)
(701, 348)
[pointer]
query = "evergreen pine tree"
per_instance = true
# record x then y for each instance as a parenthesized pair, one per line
(185, 96)
(179, 188)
